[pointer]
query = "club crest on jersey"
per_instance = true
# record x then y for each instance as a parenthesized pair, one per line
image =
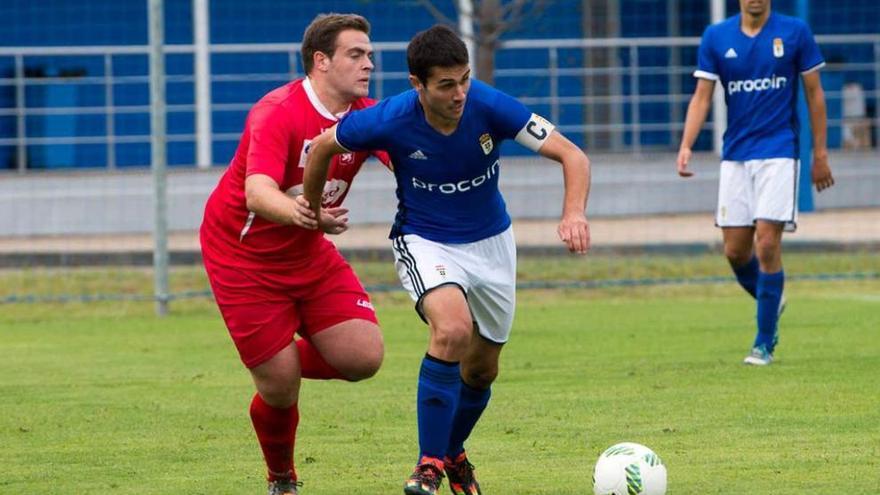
(778, 48)
(486, 143)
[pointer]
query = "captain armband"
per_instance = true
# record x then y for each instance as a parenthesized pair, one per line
(535, 133)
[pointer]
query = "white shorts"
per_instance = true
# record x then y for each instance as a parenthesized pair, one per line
(758, 190)
(485, 270)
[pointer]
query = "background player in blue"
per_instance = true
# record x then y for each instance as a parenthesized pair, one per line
(452, 236)
(758, 57)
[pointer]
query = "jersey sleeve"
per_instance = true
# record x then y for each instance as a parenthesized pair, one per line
(513, 120)
(361, 130)
(506, 114)
(270, 136)
(809, 57)
(706, 66)
(380, 155)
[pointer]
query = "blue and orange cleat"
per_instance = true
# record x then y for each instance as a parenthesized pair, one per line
(426, 477)
(461, 476)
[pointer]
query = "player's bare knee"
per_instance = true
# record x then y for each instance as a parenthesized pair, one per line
(453, 334)
(767, 251)
(767, 246)
(481, 378)
(280, 395)
(737, 256)
(277, 383)
(366, 365)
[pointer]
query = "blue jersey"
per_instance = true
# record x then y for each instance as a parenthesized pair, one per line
(760, 77)
(447, 186)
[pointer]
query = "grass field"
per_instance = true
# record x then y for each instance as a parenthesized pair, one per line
(48, 284)
(105, 398)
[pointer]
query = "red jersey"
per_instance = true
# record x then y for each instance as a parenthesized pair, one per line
(275, 140)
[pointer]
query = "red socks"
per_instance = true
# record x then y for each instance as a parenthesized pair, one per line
(276, 428)
(313, 365)
(276, 431)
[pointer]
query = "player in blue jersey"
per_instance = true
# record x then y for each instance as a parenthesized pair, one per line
(759, 58)
(452, 237)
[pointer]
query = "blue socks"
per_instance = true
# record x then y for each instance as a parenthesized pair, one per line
(471, 404)
(769, 293)
(767, 289)
(437, 401)
(747, 276)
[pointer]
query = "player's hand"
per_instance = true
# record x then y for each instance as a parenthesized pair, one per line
(822, 172)
(574, 231)
(684, 156)
(334, 220)
(303, 216)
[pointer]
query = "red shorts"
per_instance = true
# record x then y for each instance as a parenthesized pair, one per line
(263, 309)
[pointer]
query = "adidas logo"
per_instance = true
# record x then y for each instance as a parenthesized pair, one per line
(418, 155)
(731, 53)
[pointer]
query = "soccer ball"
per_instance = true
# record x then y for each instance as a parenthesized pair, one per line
(629, 469)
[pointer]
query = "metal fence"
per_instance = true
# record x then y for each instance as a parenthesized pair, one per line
(557, 77)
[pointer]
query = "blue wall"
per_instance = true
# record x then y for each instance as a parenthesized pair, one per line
(123, 22)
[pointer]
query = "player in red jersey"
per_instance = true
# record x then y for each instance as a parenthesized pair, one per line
(271, 277)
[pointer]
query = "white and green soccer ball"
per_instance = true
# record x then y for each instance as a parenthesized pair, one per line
(629, 469)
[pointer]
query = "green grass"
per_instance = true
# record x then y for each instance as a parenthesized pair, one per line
(122, 282)
(105, 398)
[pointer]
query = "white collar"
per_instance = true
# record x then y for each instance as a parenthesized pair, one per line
(316, 102)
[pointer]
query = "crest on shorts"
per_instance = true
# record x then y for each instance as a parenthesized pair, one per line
(486, 143)
(441, 270)
(346, 158)
(334, 189)
(778, 48)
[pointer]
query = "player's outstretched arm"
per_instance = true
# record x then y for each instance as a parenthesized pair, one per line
(321, 151)
(698, 108)
(265, 198)
(573, 230)
(815, 96)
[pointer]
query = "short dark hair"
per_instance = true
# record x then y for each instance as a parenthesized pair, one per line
(321, 34)
(437, 46)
